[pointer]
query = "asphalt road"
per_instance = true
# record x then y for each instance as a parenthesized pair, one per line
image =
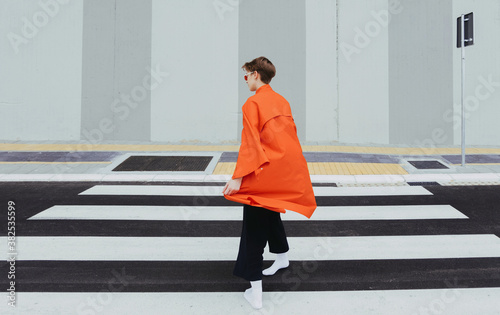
(480, 206)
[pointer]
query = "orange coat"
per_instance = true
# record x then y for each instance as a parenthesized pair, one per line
(270, 159)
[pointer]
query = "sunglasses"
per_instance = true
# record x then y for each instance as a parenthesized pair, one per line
(247, 74)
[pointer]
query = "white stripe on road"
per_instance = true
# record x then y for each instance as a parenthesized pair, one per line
(405, 212)
(372, 191)
(170, 190)
(449, 301)
(225, 248)
(183, 213)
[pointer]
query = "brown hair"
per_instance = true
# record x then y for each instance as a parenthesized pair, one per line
(263, 66)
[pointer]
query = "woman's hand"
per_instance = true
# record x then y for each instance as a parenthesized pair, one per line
(232, 186)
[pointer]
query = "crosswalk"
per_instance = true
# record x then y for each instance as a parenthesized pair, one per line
(176, 257)
(145, 190)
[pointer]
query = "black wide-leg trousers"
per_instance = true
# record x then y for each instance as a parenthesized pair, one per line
(260, 226)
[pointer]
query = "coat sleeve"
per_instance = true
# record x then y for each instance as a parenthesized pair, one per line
(251, 156)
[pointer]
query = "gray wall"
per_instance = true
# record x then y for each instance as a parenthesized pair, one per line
(116, 56)
(420, 71)
(197, 46)
(169, 71)
(321, 72)
(362, 72)
(276, 30)
(40, 76)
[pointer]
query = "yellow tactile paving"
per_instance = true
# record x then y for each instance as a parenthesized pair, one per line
(365, 169)
(322, 168)
(316, 169)
(350, 169)
(230, 167)
(224, 168)
(354, 169)
(331, 168)
(218, 169)
(344, 168)
(234, 148)
(370, 169)
(384, 169)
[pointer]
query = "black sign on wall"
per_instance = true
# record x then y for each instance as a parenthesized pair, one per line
(469, 30)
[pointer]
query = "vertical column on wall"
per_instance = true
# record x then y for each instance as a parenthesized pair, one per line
(196, 44)
(421, 73)
(363, 71)
(277, 30)
(321, 71)
(116, 79)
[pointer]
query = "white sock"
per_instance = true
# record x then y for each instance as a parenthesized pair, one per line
(254, 294)
(280, 262)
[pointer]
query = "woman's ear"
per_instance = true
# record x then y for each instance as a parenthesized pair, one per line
(257, 75)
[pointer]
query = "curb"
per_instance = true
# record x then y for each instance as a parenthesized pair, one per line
(340, 180)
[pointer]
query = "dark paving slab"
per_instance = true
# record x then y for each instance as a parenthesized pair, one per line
(472, 158)
(229, 157)
(176, 163)
(423, 184)
(427, 164)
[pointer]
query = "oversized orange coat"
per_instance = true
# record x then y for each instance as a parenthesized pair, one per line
(270, 159)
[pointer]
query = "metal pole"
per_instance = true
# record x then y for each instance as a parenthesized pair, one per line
(463, 90)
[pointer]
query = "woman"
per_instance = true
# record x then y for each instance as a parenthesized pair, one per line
(271, 175)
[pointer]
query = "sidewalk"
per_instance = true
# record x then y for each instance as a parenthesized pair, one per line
(339, 164)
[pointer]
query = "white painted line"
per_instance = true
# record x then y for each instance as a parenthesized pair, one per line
(172, 213)
(25, 177)
(184, 213)
(129, 177)
(154, 190)
(376, 179)
(347, 179)
(77, 177)
(225, 248)
(427, 177)
(371, 191)
(217, 178)
(177, 178)
(170, 190)
(406, 212)
(449, 301)
(475, 177)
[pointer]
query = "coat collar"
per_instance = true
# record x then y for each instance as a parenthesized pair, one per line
(265, 87)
